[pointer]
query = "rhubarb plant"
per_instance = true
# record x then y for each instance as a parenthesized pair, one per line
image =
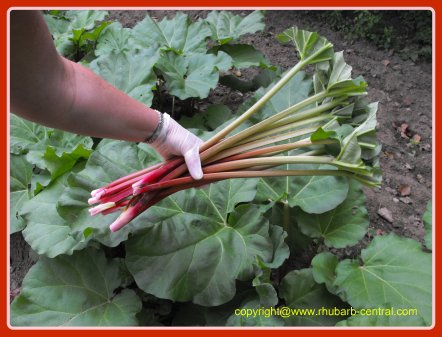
(183, 58)
(76, 33)
(283, 176)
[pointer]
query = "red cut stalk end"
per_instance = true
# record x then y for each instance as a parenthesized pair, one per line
(124, 218)
(137, 206)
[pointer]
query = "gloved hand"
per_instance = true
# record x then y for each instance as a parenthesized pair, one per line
(171, 139)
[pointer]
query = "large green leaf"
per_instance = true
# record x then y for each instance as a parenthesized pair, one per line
(46, 231)
(189, 76)
(281, 214)
(59, 164)
(340, 77)
(314, 194)
(311, 46)
(428, 225)
(70, 28)
(77, 290)
(53, 151)
(244, 55)
(296, 90)
(393, 271)
(209, 244)
(214, 117)
(59, 151)
(85, 18)
(226, 26)
(19, 187)
(114, 39)
(323, 269)
(131, 72)
(55, 155)
(342, 226)
(25, 134)
(341, 71)
(306, 298)
(263, 270)
(178, 35)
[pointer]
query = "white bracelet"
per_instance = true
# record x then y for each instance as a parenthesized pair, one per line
(157, 130)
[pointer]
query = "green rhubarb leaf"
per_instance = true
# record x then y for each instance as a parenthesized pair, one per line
(210, 244)
(217, 115)
(262, 79)
(352, 155)
(25, 134)
(189, 76)
(393, 272)
(341, 71)
(46, 231)
(67, 29)
(428, 225)
(19, 187)
(284, 216)
(85, 19)
(114, 39)
(323, 269)
(312, 48)
(300, 292)
(342, 226)
(59, 149)
(244, 55)
(314, 194)
(77, 290)
(131, 72)
(93, 35)
(264, 287)
(263, 270)
(178, 35)
(351, 87)
(210, 119)
(61, 31)
(223, 61)
(59, 164)
(57, 154)
(334, 76)
(226, 26)
(296, 90)
(54, 152)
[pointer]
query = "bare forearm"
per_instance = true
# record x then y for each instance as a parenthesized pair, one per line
(99, 109)
(50, 90)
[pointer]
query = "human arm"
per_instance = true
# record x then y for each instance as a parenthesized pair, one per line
(51, 90)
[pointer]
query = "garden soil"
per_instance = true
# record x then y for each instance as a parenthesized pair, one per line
(403, 89)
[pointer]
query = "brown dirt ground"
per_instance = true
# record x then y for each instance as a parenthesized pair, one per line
(404, 91)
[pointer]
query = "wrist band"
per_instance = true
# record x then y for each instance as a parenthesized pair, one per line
(157, 130)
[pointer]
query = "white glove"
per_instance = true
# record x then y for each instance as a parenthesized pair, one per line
(171, 139)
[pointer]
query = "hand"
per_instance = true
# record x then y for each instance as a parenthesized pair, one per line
(173, 139)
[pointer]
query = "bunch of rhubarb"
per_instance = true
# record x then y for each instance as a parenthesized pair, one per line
(334, 127)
